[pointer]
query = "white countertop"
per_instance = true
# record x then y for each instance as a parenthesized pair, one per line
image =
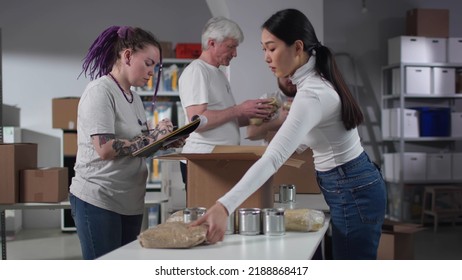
(291, 246)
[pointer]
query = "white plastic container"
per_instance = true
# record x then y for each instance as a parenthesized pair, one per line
(456, 166)
(439, 167)
(410, 122)
(414, 168)
(418, 80)
(444, 81)
(454, 50)
(436, 49)
(411, 49)
(456, 125)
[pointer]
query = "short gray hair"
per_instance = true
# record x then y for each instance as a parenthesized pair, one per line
(221, 28)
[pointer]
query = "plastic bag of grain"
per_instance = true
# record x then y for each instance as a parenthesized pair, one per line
(303, 219)
(173, 235)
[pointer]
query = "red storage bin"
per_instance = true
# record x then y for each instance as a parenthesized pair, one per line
(188, 50)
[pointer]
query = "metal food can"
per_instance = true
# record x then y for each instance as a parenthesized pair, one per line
(230, 224)
(193, 213)
(249, 221)
(273, 221)
(287, 193)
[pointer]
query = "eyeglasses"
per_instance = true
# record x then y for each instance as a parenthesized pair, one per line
(158, 68)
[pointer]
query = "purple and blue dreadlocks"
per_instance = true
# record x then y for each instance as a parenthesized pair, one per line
(105, 50)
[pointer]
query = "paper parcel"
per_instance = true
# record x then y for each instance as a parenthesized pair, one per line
(211, 175)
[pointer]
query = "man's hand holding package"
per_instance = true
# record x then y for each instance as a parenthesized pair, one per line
(272, 107)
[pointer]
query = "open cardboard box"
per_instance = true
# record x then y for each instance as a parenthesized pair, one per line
(211, 175)
(397, 241)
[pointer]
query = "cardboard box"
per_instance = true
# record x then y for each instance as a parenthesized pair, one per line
(65, 112)
(427, 22)
(44, 184)
(211, 175)
(304, 178)
(167, 49)
(397, 241)
(70, 143)
(14, 157)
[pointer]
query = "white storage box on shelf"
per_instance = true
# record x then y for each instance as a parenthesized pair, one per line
(455, 50)
(439, 167)
(417, 80)
(416, 49)
(456, 124)
(436, 49)
(391, 123)
(456, 163)
(444, 81)
(410, 122)
(414, 168)
(406, 49)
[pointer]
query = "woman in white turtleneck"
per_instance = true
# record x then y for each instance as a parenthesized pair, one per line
(324, 116)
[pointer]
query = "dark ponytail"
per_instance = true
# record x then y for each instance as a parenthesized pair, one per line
(327, 68)
(290, 25)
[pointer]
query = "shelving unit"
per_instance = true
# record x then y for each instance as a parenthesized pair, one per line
(167, 105)
(406, 180)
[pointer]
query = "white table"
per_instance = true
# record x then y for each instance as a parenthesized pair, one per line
(151, 199)
(291, 246)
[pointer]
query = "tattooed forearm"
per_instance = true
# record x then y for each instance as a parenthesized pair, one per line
(104, 138)
(120, 148)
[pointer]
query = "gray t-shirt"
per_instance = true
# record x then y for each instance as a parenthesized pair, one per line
(117, 185)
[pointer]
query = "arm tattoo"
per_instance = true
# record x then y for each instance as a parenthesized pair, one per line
(137, 142)
(104, 138)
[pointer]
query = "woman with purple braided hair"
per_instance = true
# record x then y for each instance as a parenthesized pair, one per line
(107, 192)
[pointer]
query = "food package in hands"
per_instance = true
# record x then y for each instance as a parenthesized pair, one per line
(303, 219)
(276, 103)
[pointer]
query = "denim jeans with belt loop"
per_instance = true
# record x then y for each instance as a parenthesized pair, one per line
(356, 195)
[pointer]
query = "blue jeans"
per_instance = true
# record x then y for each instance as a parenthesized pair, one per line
(101, 231)
(356, 195)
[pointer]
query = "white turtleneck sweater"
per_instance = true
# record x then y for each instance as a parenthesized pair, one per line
(314, 121)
